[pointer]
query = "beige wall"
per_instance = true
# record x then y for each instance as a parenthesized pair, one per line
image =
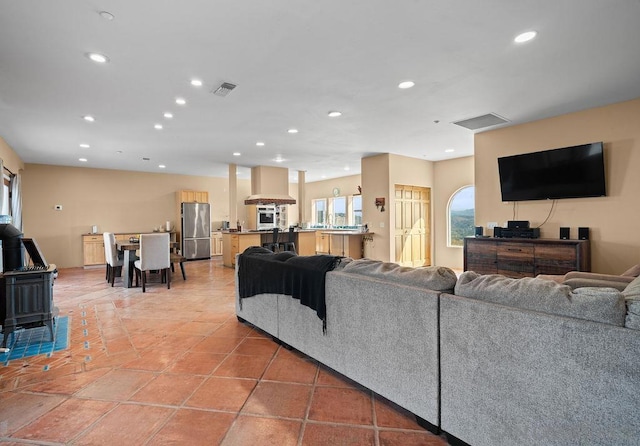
(10, 159)
(613, 220)
(115, 201)
(449, 177)
(324, 189)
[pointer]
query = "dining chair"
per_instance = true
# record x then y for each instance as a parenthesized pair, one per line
(154, 256)
(290, 243)
(273, 244)
(179, 259)
(114, 262)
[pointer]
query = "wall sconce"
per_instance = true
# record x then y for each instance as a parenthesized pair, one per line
(380, 204)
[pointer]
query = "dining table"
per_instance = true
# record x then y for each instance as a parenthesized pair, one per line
(129, 250)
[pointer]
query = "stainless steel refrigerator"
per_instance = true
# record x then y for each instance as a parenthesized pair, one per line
(196, 231)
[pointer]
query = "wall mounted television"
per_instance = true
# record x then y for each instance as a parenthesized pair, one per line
(569, 172)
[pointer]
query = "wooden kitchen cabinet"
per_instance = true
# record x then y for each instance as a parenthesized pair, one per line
(322, 243)
(306, 243)
(193, 196)
(93, 250)
(236, 242)
(525, 257)
(216, 243)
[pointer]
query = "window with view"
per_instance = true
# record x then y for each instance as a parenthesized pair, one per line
(356, 210)
(338, 211)
(319, 212)
(461, 216)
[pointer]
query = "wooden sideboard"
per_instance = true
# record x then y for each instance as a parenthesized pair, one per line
(515, 257)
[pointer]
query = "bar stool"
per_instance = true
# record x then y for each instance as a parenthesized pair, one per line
(290, 243)
(273, 245)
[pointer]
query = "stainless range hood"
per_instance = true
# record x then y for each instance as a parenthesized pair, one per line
(269, 185)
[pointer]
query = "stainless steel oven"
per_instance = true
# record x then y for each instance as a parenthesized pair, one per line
(266, 217)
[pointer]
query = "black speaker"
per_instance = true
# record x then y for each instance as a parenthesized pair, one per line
(497, 231)
(565, 233)
(479, 231)
(583, 233)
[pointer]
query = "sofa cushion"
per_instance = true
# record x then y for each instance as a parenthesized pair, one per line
(595, 304)
(436, 278)
(634, 271)
(632, 298)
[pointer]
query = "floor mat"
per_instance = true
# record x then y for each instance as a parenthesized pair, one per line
(36, 341)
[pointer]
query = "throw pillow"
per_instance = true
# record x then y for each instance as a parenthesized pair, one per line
(436, 278)
(604, 305)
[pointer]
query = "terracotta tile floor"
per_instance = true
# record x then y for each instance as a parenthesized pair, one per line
(175, 367)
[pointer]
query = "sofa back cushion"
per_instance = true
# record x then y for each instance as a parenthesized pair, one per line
(634, 271)
(604, 305)
(632, 298)
(436, 278)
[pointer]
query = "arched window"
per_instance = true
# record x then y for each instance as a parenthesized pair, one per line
(461, 216)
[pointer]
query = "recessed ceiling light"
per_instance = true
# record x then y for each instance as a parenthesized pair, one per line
(82, 160)
(196, 82)
(347, 168)
(260, 144)
(106, 15)
(85, 146)
(181, 101)
(157, 126)
(89, 118)
(525, 37)
(449, 151)
(406, 84)
(161, 166)
(334, 114)
(323, 176)
(237, 153)
(168, 115)
(97, 57)
(292, 131)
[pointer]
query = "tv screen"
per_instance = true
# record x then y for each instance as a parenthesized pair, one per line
(570, 172)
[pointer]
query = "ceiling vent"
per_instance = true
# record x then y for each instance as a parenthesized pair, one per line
(224, 89)
(480, 122)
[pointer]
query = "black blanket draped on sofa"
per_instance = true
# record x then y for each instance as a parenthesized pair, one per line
(260, 271)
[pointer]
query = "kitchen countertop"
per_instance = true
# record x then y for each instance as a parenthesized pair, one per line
(266, 231)
(344, 232)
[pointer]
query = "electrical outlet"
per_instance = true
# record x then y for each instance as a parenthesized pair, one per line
(492, 224)
(382, 224)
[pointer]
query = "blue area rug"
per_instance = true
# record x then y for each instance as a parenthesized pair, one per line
(37, 341)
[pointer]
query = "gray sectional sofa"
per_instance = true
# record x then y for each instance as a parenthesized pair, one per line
(487, 359)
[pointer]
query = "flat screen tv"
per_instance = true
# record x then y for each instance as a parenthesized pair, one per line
(569, 172)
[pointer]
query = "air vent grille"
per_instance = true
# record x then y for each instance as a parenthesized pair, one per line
(480, 122)
(224, 89)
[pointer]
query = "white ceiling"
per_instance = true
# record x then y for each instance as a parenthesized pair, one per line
(294, 61)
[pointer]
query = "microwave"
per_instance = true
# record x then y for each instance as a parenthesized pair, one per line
(266, 217)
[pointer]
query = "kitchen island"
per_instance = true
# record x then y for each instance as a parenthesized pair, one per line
(340, 242)
(236, 242)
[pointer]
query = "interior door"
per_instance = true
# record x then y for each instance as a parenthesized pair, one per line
(412, 225)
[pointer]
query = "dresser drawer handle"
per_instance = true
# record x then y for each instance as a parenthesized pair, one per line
(514, 249)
